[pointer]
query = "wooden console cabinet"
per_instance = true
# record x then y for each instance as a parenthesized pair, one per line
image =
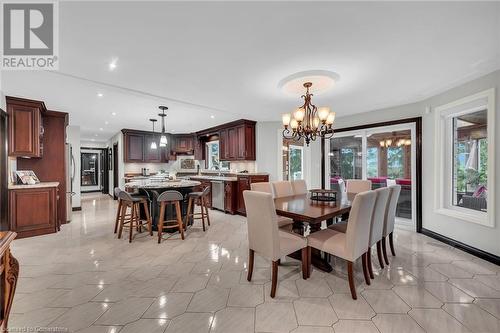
(244, 182)
(33, 210)
(9, 272)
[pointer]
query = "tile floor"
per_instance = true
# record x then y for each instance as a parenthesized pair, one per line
(85, 280)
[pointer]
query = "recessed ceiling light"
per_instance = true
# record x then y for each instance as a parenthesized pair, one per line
(112, 65)
(97, 135)
(113, 113)
(100, 94)
(101, 129)
(106, 122)
(212, 116)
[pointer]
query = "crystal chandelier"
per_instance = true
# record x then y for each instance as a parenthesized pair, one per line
(308, 121)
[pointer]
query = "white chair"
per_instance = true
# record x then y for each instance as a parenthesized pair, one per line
(267, 187)
(389, 220)
(299, 187)
(358, 185)
(352, 244)
(282, 189)
(341, 186)
(265, 238)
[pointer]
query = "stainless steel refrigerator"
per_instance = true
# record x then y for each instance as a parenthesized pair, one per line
(70, 177)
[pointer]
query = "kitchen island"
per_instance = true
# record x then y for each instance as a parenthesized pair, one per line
(152, 190)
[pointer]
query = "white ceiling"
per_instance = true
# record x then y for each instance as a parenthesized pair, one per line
(226, 59)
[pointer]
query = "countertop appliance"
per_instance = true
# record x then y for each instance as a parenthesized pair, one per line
(70, 176)
(218, 194)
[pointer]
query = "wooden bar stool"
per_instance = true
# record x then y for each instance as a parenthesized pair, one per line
(170, 198)
(133, 219)
(199, 198)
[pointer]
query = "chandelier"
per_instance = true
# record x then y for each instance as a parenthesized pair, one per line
(163, 137)
(308, 122)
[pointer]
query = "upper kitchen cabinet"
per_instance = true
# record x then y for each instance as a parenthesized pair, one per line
(133, 147)
(137, 147)
(183, 143)
(237, 141)
(25, 127)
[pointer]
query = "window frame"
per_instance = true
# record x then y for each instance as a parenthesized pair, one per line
(297, 147)
(444, 143)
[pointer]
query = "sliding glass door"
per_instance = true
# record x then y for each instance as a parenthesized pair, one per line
(384, 155)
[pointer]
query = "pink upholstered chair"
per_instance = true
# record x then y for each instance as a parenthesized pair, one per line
(266, 239)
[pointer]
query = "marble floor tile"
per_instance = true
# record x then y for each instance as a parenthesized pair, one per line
(391, 323)
(39, 317)
(347, 308)
(473, 267)
(451, 271)
(313, 287)
(492, 305)
(146, 325)
(314, 311)
(209, 300)
(492, 281)
(473, 317)
(76, 296)
(230, 320)
(437, 321)
(417, 297)
(80, 316)
(285, 292)
(225, 279)
(313, 329)
(191, 283)
(155, 287)
(101, 329)
(191, 323)
(355, 326)
(426, 274)
(266, 316)
(125, 311)
(246, 295)
(168, 306)
(475, 288)
(385, 301)
(447, 292)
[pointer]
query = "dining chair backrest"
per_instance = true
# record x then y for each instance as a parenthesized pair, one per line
(117, 191)
(206, 190)
(299, 186)
(122, 195)
(265, 187)
(379, 211)
(358, 226)
(170, 196)
(390, 182)
(390, 215)
(282, 189)
(358, 185)
(341, 185)
(263, 234)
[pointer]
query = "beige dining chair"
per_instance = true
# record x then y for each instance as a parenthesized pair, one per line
(352, 244)
(358, 185)
(299, 186)
(282, 189)
(265, 238)
(389, 220)
(266, 187)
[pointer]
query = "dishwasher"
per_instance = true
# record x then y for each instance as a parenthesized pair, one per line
(218, 194)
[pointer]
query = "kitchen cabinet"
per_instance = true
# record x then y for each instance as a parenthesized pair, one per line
(137, 147)
(244, 183)
(183, 143)
(237, 141)
(199, 149)
(25, 127)
(230, 197)
(134, 147)
(40, 218)
(223, 145)
(152, 155)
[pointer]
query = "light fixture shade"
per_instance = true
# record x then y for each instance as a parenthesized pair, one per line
(154, 145)
(294, 124)
(316, 122)
(408, 142)
(382, 143)
(299, 114)
(163, 140)
(331, 118)
(286, 119)
(323, 113)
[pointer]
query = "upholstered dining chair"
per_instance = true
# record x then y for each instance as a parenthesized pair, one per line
(352, 244)
(389, 220)
(266, 239)
(358, 185)
(282, 189)
(266, 187)
(299, 186)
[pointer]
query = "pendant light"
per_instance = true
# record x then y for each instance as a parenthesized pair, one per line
(163, 138)
(153, 143)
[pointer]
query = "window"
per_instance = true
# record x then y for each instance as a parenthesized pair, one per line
(296, 162)
(372, 162)
(213, 162)
(464, 158)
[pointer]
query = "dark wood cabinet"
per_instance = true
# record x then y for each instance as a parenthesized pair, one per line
(137, 147)
(223, 145)
(237, 141)
(41, 218)
(183, 143)
(230, 198)
(134, 147)
(25, 127)
(152, 155)
(199, 149)
(244, 183)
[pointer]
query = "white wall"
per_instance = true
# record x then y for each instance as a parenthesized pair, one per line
(73, 138)
(117, 138)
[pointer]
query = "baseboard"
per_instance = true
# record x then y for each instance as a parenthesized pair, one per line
(464, 247)
(75, 209)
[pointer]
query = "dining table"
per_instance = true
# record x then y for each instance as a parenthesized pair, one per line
(305, 211)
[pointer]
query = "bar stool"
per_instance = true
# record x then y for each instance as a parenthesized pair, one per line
(117, 191)
(133, 219)
(170, 198)
(199, 198)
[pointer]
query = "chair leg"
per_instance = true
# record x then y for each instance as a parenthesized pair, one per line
(391, 243)
(305, 263)
(148, 218)
(379, 254)
(118, 211)
(384, 251)
(202, 213)
(274, 279)
(179, 219)
(188, 213)
(206, 210)
(160, 221)
(365, 268)
(309, 266)
(369, 262)
(350, 275)
(133, 219)
(251, 255)
(122, 219)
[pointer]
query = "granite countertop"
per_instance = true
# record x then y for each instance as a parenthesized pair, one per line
(39, 185)
(220, 178)
(167, 184)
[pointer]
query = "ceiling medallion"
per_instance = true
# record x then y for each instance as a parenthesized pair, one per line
(308, 122)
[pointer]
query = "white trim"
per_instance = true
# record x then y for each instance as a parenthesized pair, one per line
(444, 172)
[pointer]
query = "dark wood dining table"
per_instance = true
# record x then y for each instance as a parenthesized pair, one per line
(303, 210)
